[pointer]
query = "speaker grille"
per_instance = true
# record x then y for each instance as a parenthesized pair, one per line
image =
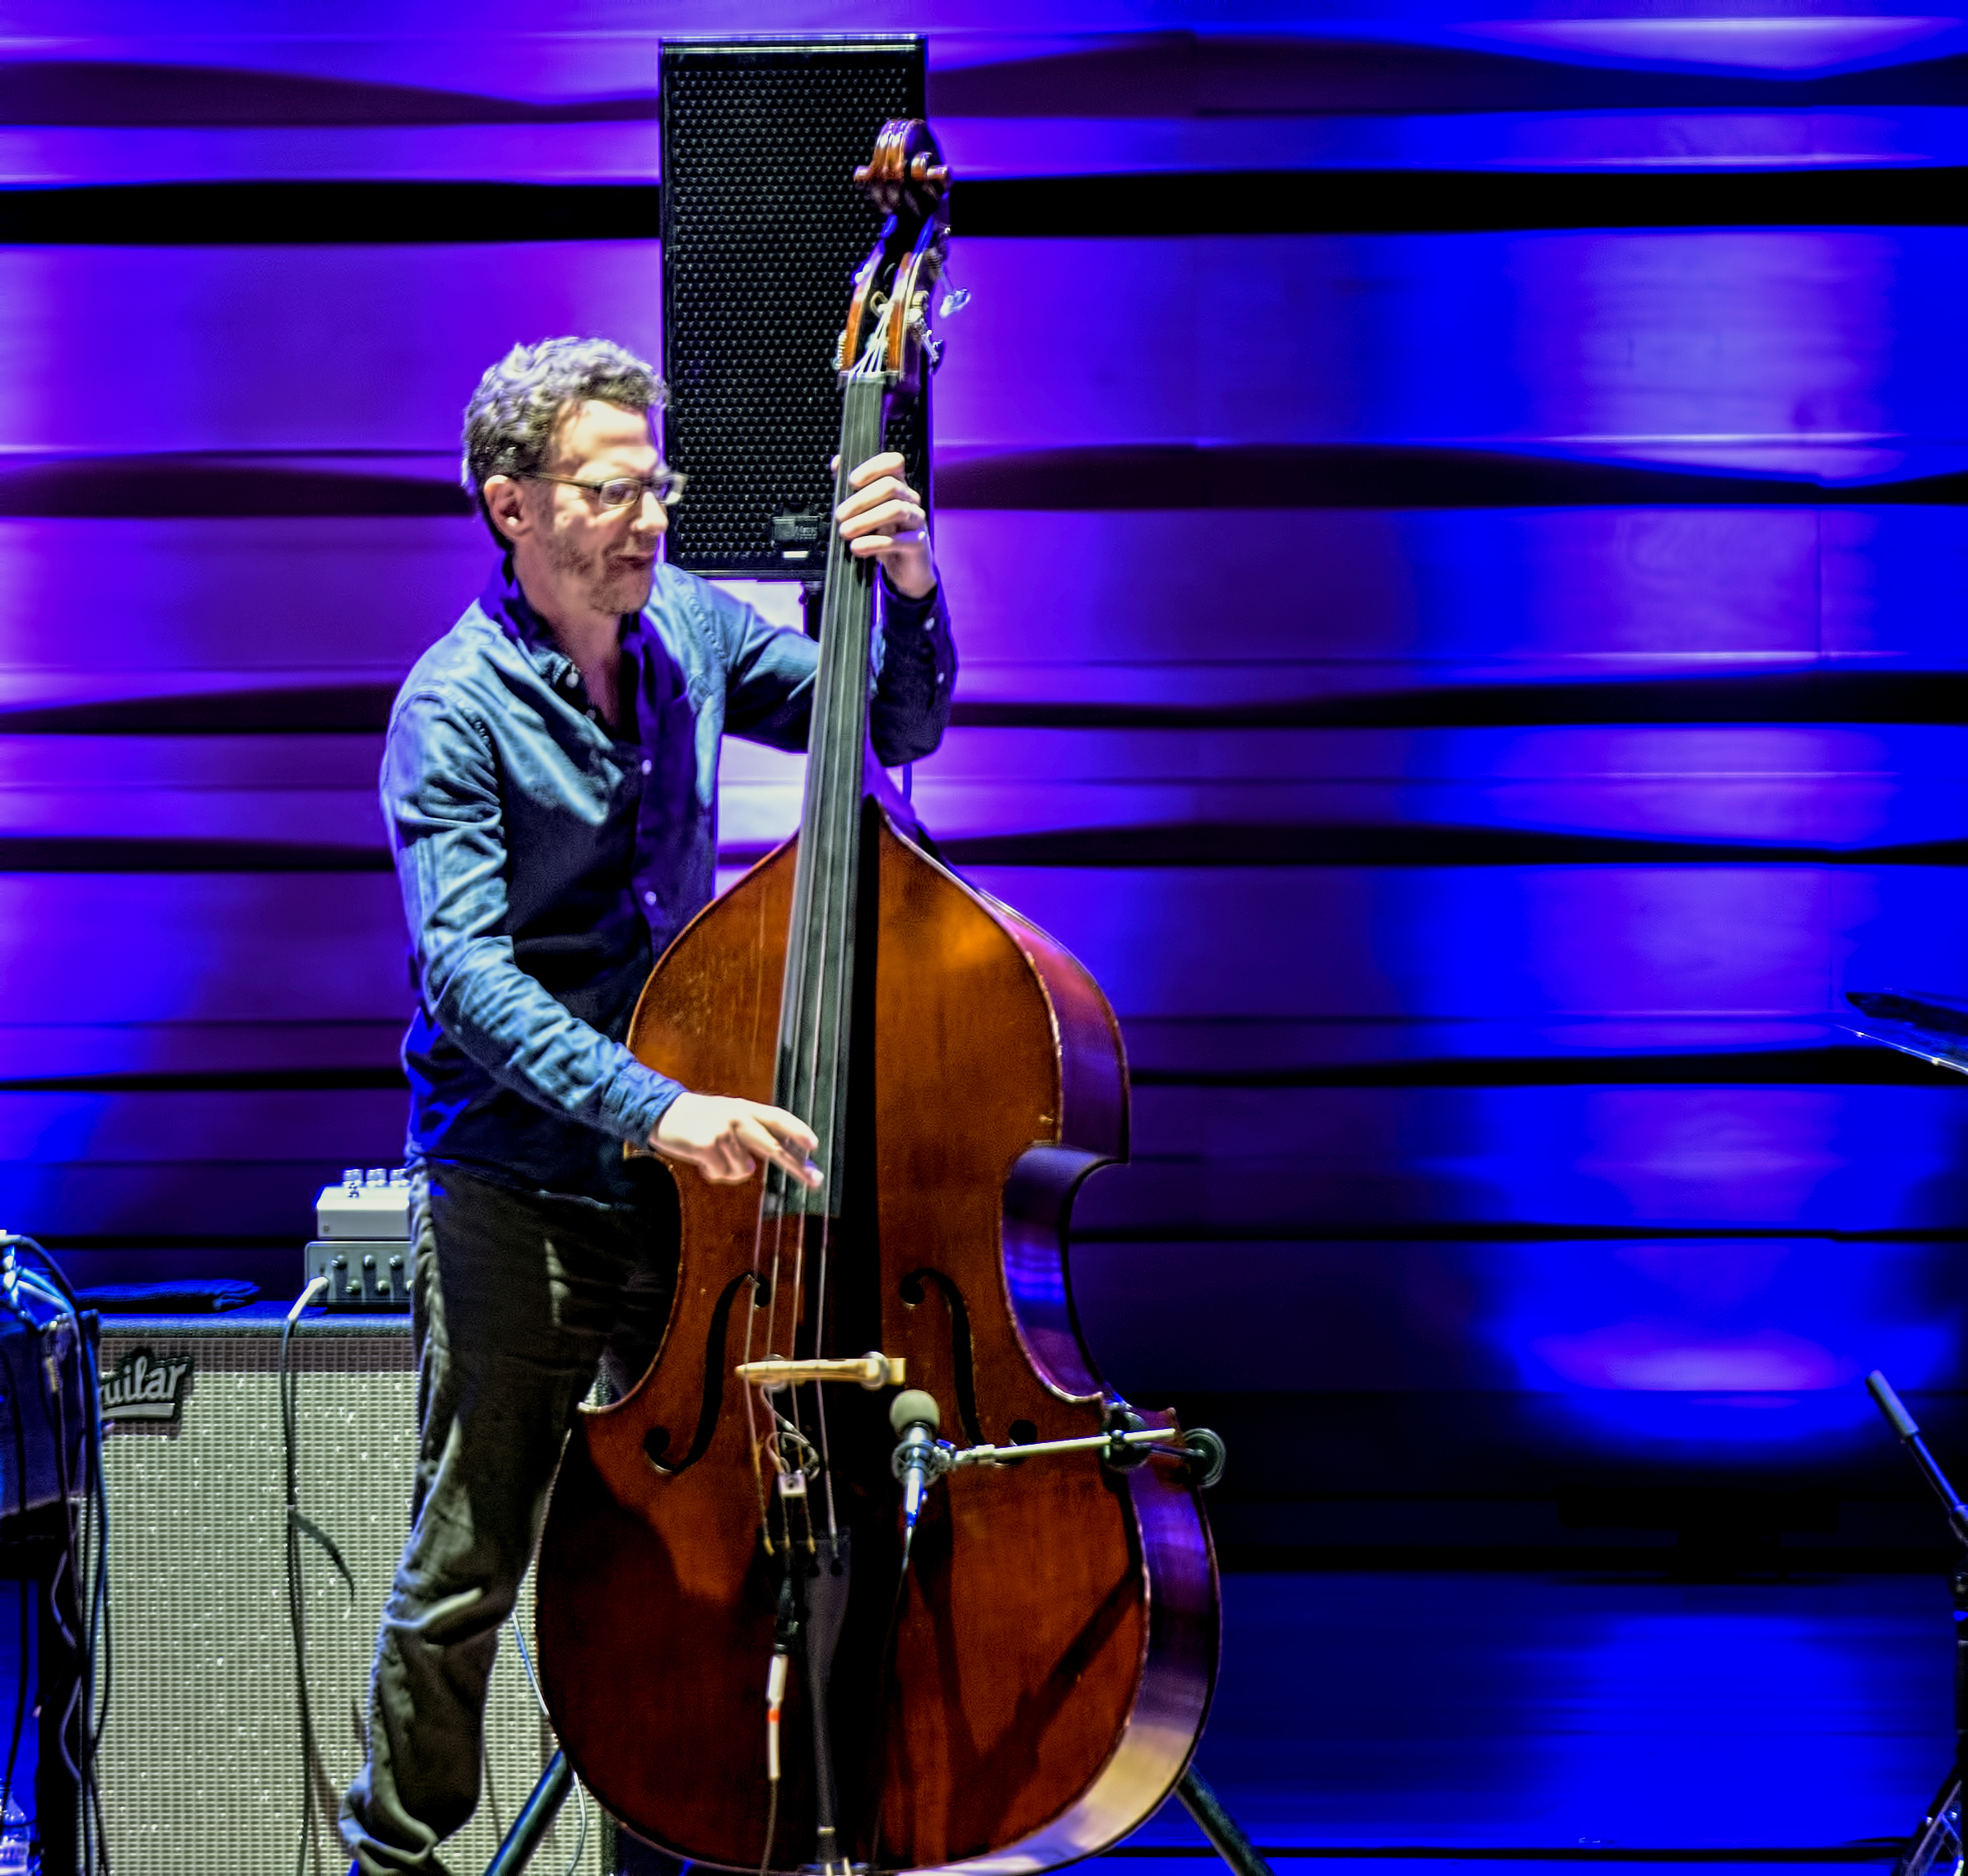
(762, 231)
(201, 1768)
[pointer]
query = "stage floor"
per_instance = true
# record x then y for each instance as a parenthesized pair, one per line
(1412, 1720)
(1431, 1718)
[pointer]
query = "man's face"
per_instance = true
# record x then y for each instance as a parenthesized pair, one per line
(601, 561)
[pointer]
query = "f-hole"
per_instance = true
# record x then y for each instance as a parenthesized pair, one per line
(960, 1359)
(657, 1441)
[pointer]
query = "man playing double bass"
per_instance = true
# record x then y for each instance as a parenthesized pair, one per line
(550, 782)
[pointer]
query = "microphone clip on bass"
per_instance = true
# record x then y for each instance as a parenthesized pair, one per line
(921, 1458)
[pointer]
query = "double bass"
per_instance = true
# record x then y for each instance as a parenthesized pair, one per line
(772, 1636)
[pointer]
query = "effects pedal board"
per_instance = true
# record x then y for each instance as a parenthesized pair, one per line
(362, 1240)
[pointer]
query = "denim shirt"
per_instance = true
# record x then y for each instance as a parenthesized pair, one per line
(545, 863)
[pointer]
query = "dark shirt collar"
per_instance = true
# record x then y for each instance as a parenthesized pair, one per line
(504, 600)
(648, 680)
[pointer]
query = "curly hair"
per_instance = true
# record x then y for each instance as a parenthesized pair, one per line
(510, 422)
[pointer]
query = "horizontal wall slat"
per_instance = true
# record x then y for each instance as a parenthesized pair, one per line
(1537, 1473)
(1423, 64)
(55, 1050)
(1495, 594)
(165, 1129)
(1277, 1162)
(53, 154)
(1253, 1051)
(1498, 585)
(1609, 1134)
(1631, 346)
(106, 948)
(1019, 60)
(401, 334)
(1283, 942)
(1268, 1050)
(311, 818)
(1065, 476)
(317, 212)
(1014, 67)
(1066, 145)
(1246, 199)
(192, 1205)
(1397, 820)
(1647, 940)
(1267, 1163)
(1634, 346)
(125, 764)
(1918, 754)
(1694, 1316)
(980, 147)
(1195, 697)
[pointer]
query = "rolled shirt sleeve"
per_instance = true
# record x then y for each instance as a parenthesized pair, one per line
(770, 673)
(915, 675)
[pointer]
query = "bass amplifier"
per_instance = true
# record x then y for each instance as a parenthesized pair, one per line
(201, 1769)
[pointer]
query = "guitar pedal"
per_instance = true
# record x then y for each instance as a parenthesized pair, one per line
(362, 1245)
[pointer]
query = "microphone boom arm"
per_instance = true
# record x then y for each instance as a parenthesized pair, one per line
(1902, 1422)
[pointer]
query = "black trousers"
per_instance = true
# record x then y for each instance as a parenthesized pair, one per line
(516, 1299)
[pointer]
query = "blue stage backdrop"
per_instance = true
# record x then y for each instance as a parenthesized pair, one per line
(1457, 530)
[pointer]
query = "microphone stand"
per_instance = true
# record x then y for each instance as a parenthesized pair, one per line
(1126, 1445)
(535, 1818)
(1225, 1833)
(1936, 1848)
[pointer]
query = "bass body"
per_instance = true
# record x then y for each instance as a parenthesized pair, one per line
(1053, 1657)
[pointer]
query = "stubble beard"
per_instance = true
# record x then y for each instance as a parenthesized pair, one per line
(603, 582)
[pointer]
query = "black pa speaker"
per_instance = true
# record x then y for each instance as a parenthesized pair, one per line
(762, 231)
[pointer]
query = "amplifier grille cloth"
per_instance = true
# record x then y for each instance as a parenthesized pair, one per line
(201, 1761)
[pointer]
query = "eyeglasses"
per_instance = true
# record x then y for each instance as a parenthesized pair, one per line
(619, 491)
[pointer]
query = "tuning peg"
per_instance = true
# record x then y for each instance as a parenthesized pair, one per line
(918, 323)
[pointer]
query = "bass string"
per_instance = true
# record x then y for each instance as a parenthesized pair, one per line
(837, 800)
(778, 1199)
(752, 1445)
(793, 1090)
(821, 853)
(799, 1013)
(816, 960)
(849, 733)
(846, 731)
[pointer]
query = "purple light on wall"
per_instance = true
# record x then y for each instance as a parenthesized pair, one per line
(1790, 44)
(1806, 351)
(1708, 1347)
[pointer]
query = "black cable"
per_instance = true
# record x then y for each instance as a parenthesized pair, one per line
(92, 1596)
(26, 1600)
(771, 1827)
(77, 1642)
(91, 1578)
(296, 1608)
(884, 1673)
(54, 1270)
(288, 1381)
(92, 1646)
(95, 1712)
(101, 1640)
